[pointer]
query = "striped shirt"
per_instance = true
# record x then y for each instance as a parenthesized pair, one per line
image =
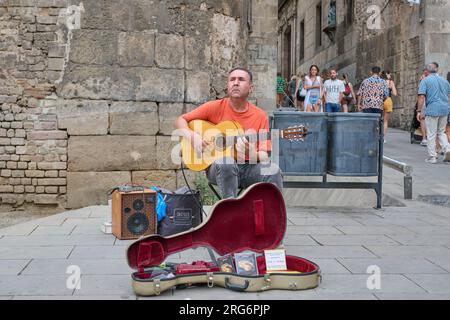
(281, 84)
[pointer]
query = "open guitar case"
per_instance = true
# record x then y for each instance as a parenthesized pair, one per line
(254, 221)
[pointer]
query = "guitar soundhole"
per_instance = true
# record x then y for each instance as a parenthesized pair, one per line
(220, 142)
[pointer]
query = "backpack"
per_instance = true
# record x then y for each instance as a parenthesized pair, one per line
(348, 90)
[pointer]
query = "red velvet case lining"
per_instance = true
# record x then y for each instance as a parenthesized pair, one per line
(255, 221)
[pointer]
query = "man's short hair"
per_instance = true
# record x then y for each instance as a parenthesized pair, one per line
(436, 64)
(243, 69)
(432, 67)
(376, 70)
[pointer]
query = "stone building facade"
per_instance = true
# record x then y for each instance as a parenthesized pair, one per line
(89, 89)
(389, 33)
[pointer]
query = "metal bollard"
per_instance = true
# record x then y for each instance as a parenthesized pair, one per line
(407, 186)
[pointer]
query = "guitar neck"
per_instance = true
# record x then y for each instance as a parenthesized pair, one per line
(251, 137)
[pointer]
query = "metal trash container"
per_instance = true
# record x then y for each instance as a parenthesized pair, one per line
(302, 158)
(353, 144)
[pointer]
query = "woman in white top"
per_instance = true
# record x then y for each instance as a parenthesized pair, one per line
(313, 87)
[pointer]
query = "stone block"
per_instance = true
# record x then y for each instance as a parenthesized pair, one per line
(51, 174)
(11, 165)
(169, 51)
(51, 189)
(120, 15)
(167, 153)
(5, 141)
(6, 189)
(136, 49)
(18, 174)
(133, 118)
(34, 173)
(198, 53)
(168, 113)
(56, 50)
(94, 47)
(52, 165)
(19, 189)
(20, 133)
(109, 153)
(47, 135)
(164, 178)
(161, 85)
(83, 117)
(197, 87)
(56, 64)
(48, 199)
(6, 173)
(92, 82)
(90, 188)
(17, 141)
(52, 182)
(16, 125)
(52, 3)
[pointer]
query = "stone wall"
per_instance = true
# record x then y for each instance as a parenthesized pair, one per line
(89, 89)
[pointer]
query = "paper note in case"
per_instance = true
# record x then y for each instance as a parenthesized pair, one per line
(275, 259)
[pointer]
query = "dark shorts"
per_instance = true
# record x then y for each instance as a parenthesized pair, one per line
(372, 110)
(299, 97)
(332, 107)
(448, 119)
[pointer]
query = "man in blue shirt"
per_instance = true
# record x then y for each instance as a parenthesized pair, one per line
(434, 93)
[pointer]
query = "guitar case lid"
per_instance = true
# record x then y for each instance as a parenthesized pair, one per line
(255, 221)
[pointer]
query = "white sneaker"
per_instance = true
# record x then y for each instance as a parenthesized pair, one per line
(431, 160)
(424, 142)
(447, 156)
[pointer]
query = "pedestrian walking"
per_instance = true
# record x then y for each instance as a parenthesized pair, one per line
(423, 125)
(300, 91)
(313, 87)
(372, 93)
(333, 91)
(434, 100)
(281, 87)
(349, 96)
(291, 90)
(388, 105)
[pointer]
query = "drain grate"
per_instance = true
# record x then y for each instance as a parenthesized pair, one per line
(438, 200)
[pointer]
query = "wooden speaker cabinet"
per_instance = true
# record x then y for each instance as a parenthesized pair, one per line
(134, 214)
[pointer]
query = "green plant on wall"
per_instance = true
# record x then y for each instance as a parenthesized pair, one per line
(201, 184)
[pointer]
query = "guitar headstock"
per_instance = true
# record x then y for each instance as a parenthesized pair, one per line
(294, 133)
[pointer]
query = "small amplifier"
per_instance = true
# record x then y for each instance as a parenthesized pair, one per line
(134, 214)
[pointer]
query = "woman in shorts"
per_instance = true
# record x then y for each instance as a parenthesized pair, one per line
(313, 87)
(388, 103)
(348, 96)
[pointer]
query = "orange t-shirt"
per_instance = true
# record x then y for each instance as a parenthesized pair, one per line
(216, 111)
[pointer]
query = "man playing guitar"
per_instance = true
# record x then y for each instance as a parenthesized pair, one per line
(252, 163)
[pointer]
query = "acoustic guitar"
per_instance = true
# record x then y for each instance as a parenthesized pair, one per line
(221, 139)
